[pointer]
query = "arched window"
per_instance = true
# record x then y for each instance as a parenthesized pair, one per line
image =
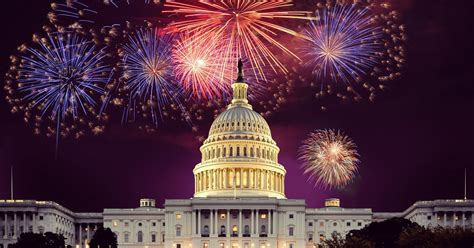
(251, 152)
(224, 153)
(140, 237)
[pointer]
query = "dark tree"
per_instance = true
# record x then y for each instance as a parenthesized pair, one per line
(103, 238)
(437, 238)
(37, 240)
(383, 234)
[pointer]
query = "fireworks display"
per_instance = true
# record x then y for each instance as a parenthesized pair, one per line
(248, 27)
(148, 77)
(176, 60)
(329, 158)
(354, 48)
(60, 81)
(342, 43)
(200, 69)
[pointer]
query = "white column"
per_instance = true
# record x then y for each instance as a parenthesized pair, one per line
(463, 223)
(228, 223)
(211, 224)
(444, 220)
(275, 219)
(240, 223)
(88, 233)
(252, 223)
(269, 222)
(216, 229)
(15, 224)
(193, 223)
(35, 228)
(6, 225)
(199, 222)
(257, 228)
(24, 223)
(80, 235)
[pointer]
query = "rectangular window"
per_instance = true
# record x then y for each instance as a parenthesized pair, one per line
(41, 217)
(291, 231)
(178, 231)
(153, 238)
(178, 216)
(291, 216)
(359, 223)
(125, 238)
(153, 224)
(348, 224)
(310, 224)
(125, 224)
(321, 224)
(429, 217)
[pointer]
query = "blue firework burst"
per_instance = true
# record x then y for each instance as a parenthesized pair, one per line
(343, 43)
(63, 78)
(148, 74)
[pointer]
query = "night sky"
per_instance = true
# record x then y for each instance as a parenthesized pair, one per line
(415, 140)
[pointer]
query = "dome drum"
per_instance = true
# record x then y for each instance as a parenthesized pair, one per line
(239, 157)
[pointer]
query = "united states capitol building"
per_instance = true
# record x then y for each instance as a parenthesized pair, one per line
(239, 201)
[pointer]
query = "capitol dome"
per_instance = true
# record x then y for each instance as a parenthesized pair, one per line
(239, 157)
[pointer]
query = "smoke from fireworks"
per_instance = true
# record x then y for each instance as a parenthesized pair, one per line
(248, 27)
(329, 158)
(59, 81)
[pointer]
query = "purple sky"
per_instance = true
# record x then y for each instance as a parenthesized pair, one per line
(414, 141)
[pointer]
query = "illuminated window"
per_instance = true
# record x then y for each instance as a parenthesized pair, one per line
(263, 216)
(321, 224)
(222, 216)
(178, 216)
(115, 223)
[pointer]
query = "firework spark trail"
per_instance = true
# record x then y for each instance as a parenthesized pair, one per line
(148, 73)
(343, 43)
(200, 68)
(246, 25)
(329, 158)
(63, 77)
